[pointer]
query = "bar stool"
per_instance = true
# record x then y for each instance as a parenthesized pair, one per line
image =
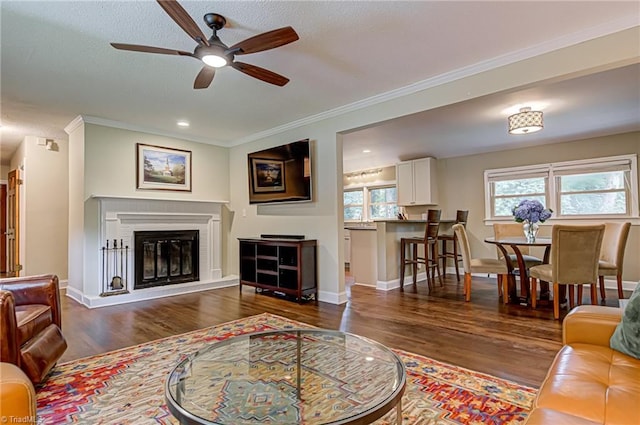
(430, 244)
(461, 218)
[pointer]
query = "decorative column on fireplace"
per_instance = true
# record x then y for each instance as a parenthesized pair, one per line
(165, 257)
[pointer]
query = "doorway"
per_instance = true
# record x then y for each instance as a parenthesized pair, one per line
(3, 229)
(13, 224)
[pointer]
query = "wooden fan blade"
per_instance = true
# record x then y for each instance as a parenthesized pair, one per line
(266, 41)
(260, 73)
(182, 18)
(204, 78)
(149, 49)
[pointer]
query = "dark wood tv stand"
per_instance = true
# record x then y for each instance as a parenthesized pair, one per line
(285, 266)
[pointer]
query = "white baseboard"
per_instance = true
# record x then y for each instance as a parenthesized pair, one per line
(395, 283)
(94, 301)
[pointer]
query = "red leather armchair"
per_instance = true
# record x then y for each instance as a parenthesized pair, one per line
(30, 324)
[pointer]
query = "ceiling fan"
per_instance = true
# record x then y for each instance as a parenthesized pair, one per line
(213, 52)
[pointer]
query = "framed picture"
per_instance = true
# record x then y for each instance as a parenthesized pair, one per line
(267, 175)
(161, 168)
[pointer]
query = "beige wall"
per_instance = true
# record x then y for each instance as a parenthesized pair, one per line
(104, 164)
(461, 185)
(323, 218)
(4, 171)
(44, 207)
(110, 165)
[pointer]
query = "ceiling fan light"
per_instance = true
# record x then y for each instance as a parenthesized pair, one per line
(214, 60)
(525, 122)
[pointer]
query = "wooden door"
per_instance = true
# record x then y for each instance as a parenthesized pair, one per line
(3, 228)
(13, 224)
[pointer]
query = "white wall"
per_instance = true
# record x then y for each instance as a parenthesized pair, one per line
(323, 219)
(4, 171)
(76, 259)
(44, 207)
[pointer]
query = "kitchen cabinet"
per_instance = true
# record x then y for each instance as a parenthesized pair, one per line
(416, 182)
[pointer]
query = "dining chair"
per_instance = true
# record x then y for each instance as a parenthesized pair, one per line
(480, 265)
(445, 253)
(430, 245)
(575, 254)
(614, 242)
(506, 230)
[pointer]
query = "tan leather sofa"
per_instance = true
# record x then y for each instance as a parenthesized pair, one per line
(17, 396)
(30, 324)
(588, 382)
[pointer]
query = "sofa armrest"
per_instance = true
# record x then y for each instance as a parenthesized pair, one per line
(17, 396)
(42, 289)
(9, 349)
(590, 324)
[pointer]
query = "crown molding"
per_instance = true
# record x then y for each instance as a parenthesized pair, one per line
(74, 124)
(483, 66)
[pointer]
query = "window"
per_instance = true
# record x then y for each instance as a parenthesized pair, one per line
(382, 202)
(370, 202)
(353, 205)
(593, 188)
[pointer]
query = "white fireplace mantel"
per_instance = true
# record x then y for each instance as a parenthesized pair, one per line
(110, 218)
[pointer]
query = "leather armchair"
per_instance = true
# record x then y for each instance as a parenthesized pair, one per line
(30, 324)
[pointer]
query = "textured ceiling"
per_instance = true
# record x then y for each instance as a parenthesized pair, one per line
(57, 63)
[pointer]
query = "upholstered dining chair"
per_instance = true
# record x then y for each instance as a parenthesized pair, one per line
(430, 245)
(575, 254)
(480, 265)
(445, 253)
(506, 230)
(614, 242)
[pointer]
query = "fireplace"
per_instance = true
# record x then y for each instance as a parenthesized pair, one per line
(165, 257)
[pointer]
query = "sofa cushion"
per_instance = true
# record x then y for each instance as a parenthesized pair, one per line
(593, 382)
(549, 416)
(626, 337)
(31, 320)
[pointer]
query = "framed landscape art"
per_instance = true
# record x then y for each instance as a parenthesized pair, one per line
(160, 168)
(268, 175)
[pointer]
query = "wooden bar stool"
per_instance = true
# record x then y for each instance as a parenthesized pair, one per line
(461, 218)
(430, 259)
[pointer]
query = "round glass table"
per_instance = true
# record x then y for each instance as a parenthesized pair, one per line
(297, 376)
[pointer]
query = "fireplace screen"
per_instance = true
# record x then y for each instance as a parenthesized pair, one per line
(165, 257)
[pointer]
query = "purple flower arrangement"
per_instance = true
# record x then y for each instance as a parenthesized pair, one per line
(531, 211)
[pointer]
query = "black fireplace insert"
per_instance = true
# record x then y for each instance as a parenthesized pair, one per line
(165, 257)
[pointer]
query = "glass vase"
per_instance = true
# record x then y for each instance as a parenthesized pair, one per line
(530, 231)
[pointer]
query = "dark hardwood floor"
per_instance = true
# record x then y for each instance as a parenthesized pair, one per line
(512, 341)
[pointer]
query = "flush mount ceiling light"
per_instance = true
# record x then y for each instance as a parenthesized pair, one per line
(526, 121)
(183, 123)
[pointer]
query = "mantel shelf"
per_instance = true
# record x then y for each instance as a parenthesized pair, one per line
(137, 198)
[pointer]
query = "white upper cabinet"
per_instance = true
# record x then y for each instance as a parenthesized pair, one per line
(416, 182)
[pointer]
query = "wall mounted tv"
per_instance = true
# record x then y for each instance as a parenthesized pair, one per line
(280, 174)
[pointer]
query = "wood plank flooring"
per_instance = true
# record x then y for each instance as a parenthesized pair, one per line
(512, 341)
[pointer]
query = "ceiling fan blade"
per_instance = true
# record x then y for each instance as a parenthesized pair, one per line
(149, 49)
(266, 41)
(204, 78)
(182, 18)
(260, 73)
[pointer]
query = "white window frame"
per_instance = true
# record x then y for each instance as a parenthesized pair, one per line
(366, 197)
(368, 190)
(552, 171)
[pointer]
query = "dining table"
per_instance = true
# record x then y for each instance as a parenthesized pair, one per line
(515, 242)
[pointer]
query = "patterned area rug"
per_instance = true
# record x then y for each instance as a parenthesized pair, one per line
(127, 386)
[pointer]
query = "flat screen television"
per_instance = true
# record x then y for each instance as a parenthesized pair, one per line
(280, 174)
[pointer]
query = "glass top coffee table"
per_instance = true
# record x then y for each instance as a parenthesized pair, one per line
(299, 376)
